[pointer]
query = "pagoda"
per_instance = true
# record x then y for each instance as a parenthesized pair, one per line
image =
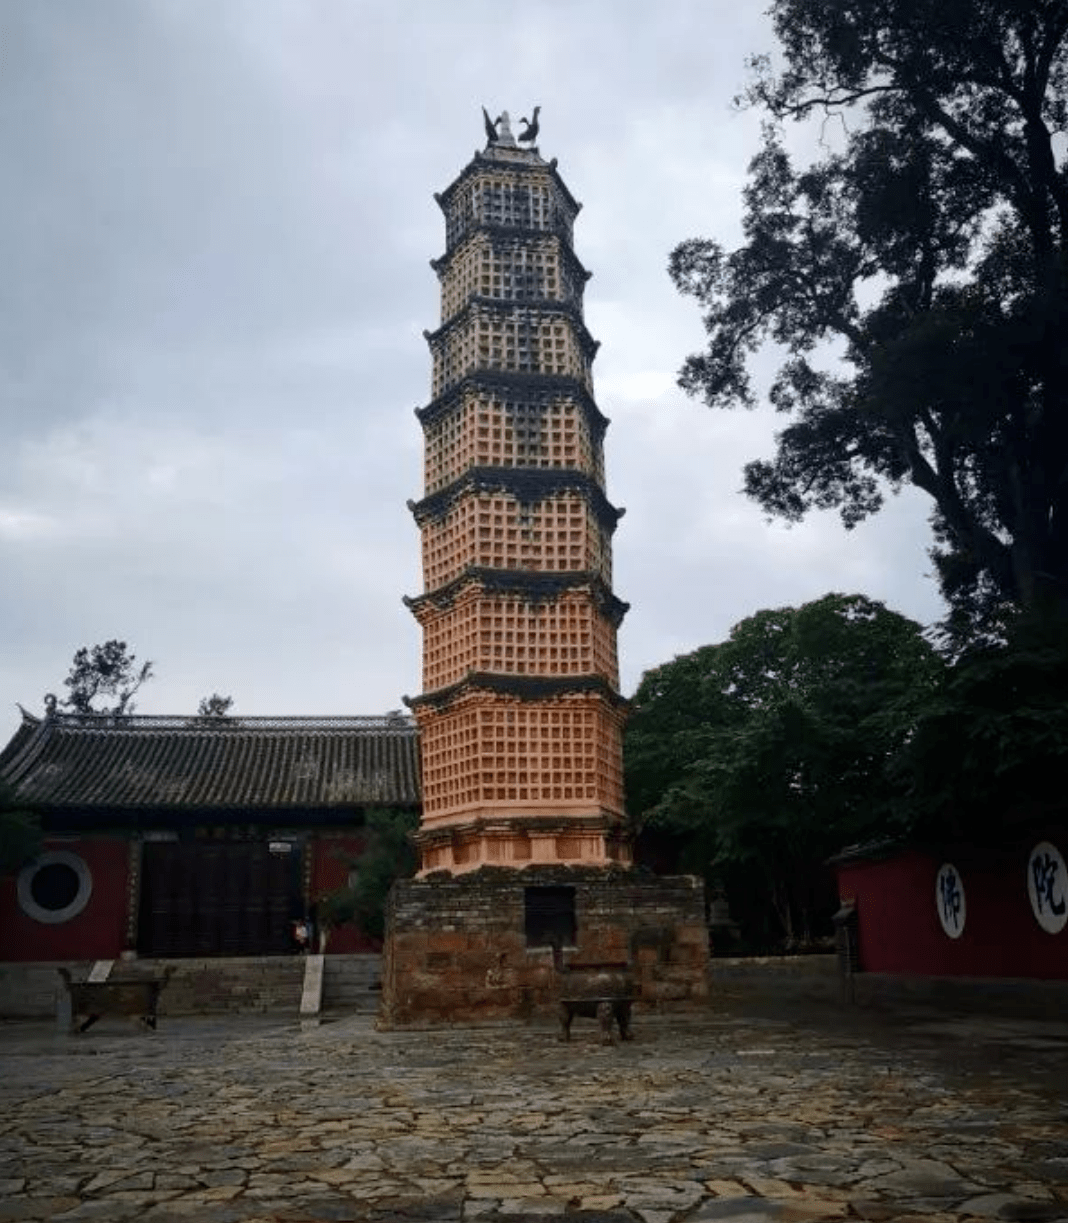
(520, 717)
(525, 863)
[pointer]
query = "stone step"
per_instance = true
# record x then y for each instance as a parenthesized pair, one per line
(251, 984)
(352, 982)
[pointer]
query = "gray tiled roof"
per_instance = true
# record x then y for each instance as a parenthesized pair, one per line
(69, 761)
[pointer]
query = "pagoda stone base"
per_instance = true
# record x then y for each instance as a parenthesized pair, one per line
(523, 842)
(480, 946)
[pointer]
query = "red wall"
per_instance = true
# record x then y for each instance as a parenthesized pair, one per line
(899, 930)
(332, 857)
(98, 932)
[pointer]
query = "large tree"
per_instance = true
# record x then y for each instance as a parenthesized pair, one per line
(929, 249)
(109, 672)
(989, 748)
(769, 751)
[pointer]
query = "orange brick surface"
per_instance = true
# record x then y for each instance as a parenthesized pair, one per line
(520, 716)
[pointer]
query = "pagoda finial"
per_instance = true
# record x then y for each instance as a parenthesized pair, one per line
(504, 130)
(499, 130)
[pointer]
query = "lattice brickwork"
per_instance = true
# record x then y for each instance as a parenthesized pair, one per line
(507, 635)
(508, 270)
(489, 431)
(496, 532)
(520, 721)
(562, 754)
(525, 341)
(507, 199)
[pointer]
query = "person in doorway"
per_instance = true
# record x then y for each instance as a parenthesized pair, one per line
(302, 934)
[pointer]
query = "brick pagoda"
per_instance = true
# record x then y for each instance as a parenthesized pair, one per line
(523, 845)
(520, 716)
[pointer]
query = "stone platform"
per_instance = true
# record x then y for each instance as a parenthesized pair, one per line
(480, 946)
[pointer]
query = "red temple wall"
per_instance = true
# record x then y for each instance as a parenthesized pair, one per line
(332, 858)
(98, 932)
(899, 929)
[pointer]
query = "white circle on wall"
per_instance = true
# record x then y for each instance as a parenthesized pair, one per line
(1047, 886)
(949, 900)
(54, 887)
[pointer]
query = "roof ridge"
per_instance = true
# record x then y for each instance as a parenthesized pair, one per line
(207, 722)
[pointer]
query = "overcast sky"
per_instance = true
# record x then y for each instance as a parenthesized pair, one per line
(215, 226)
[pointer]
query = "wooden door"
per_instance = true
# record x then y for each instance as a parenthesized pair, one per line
(216, 898)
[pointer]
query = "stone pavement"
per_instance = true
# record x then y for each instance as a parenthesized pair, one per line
(729, 1114)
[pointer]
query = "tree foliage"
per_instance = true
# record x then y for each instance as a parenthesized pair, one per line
(931, 249)
(215, 706)
(20, 832)
(109, 673)
(769, 750)
(989, 748)
(388, 855)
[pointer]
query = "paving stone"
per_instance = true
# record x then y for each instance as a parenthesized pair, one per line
(1035, 1212)
(923, 1184)
(111, 1210)
(812, 1210)
(19, 1208)
(998, 1206)
(477, 1208)
(531, 1209)
(241, 1121)
(224, 1176)
(184, 1212)
(873, 1211)
(505, 1189)
(737, 1210)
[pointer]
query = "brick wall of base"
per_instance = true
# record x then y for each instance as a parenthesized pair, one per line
(458, 947)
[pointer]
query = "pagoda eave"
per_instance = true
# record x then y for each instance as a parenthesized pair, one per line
(537, 387)
(525, 688)
(508, 233)
(531, 163)
(544, 306)
(528, 485)
(533, 586)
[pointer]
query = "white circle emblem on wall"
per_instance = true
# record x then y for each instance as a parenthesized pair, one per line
(1047, 885)
(55, 887)
(949, 900)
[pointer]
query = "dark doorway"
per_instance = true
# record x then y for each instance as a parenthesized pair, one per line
(217, 898)
(550, 917)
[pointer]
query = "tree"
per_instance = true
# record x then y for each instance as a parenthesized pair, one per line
(388, 855)
(20, 832)
(215, 706)
(101, 671)
(989, 748)
(769, 751)
(932, 250)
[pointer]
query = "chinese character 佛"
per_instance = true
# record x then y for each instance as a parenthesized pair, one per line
(949, 886)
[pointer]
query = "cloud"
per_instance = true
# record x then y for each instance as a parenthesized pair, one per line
(215, 232)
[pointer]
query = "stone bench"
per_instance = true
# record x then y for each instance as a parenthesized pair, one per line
(88, 1001)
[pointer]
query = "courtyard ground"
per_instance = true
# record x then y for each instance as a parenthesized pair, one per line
(738, 1113)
